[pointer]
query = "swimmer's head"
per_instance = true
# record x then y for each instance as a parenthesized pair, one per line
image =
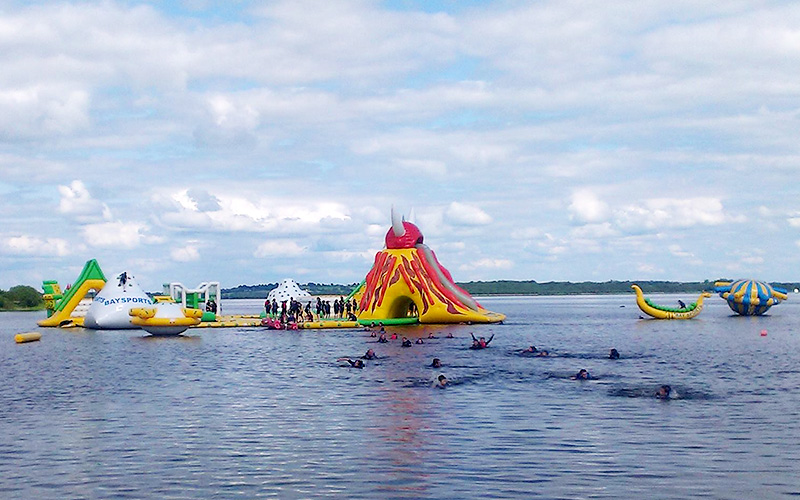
(436, 363)
(663, 392)
(613, 354)
(359, 364)
(442, 380)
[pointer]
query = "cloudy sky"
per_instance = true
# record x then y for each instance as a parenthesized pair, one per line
(548, 140)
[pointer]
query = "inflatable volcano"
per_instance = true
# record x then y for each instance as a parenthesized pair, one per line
(407, 285)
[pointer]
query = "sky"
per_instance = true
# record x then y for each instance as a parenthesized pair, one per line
(246, 142)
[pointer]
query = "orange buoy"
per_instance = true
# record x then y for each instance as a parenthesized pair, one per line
(27, 337)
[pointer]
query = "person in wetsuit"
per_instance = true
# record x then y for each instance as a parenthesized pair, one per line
(663, 392)
(436, 363)
(355, 364)
(382, 339)
(370, 354)
(441, 382)
(582, 375)
(406, 342)
(613, 354)
(482, 343)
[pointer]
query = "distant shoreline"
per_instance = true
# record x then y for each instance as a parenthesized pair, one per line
(512, 288)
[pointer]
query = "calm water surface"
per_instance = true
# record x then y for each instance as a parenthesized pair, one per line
(246, 413)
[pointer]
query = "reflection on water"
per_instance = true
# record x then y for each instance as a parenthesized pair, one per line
(246, 413)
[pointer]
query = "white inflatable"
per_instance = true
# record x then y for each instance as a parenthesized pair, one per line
(287, 289)
(122, 304)
(110, 307)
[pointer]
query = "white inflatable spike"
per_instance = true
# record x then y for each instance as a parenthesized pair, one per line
(397, 224)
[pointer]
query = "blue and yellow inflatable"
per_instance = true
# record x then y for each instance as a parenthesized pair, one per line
(750, 297)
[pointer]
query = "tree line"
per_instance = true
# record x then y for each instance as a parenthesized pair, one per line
(509, 287)
(21, 298)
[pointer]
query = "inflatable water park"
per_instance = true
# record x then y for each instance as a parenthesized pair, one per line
(406, 285)
(744, 297)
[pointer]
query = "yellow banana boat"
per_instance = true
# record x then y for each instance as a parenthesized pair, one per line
(663, 312)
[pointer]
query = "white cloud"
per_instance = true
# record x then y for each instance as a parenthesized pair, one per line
(37, 111)
(602, 230)
(30, 245)
(487, 263)
(114, 234)
(672, 213)
(188, 253)
(677, 251)
(587, 207)
(76, 201)
(462, 214)
(279, 248)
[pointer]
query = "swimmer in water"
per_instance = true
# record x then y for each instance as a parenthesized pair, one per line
(406, 342)
(355, 364)
(382, 339)
(394, 336)
(431, 336)
(475, 344)
(663, 392)
(531, 348)
(373, 334)
(436, 363)
(419, 341)
(441, 382)
(542, 354)
(370, 354)
(482, 342)
(613, 354)
(582, 375)
(449, 336)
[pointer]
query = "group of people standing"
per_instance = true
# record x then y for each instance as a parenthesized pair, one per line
(292, 311)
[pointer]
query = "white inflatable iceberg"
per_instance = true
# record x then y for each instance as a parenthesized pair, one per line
(287, 289)
(122, 304)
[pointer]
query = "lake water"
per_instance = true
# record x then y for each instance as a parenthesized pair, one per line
(246, 413)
